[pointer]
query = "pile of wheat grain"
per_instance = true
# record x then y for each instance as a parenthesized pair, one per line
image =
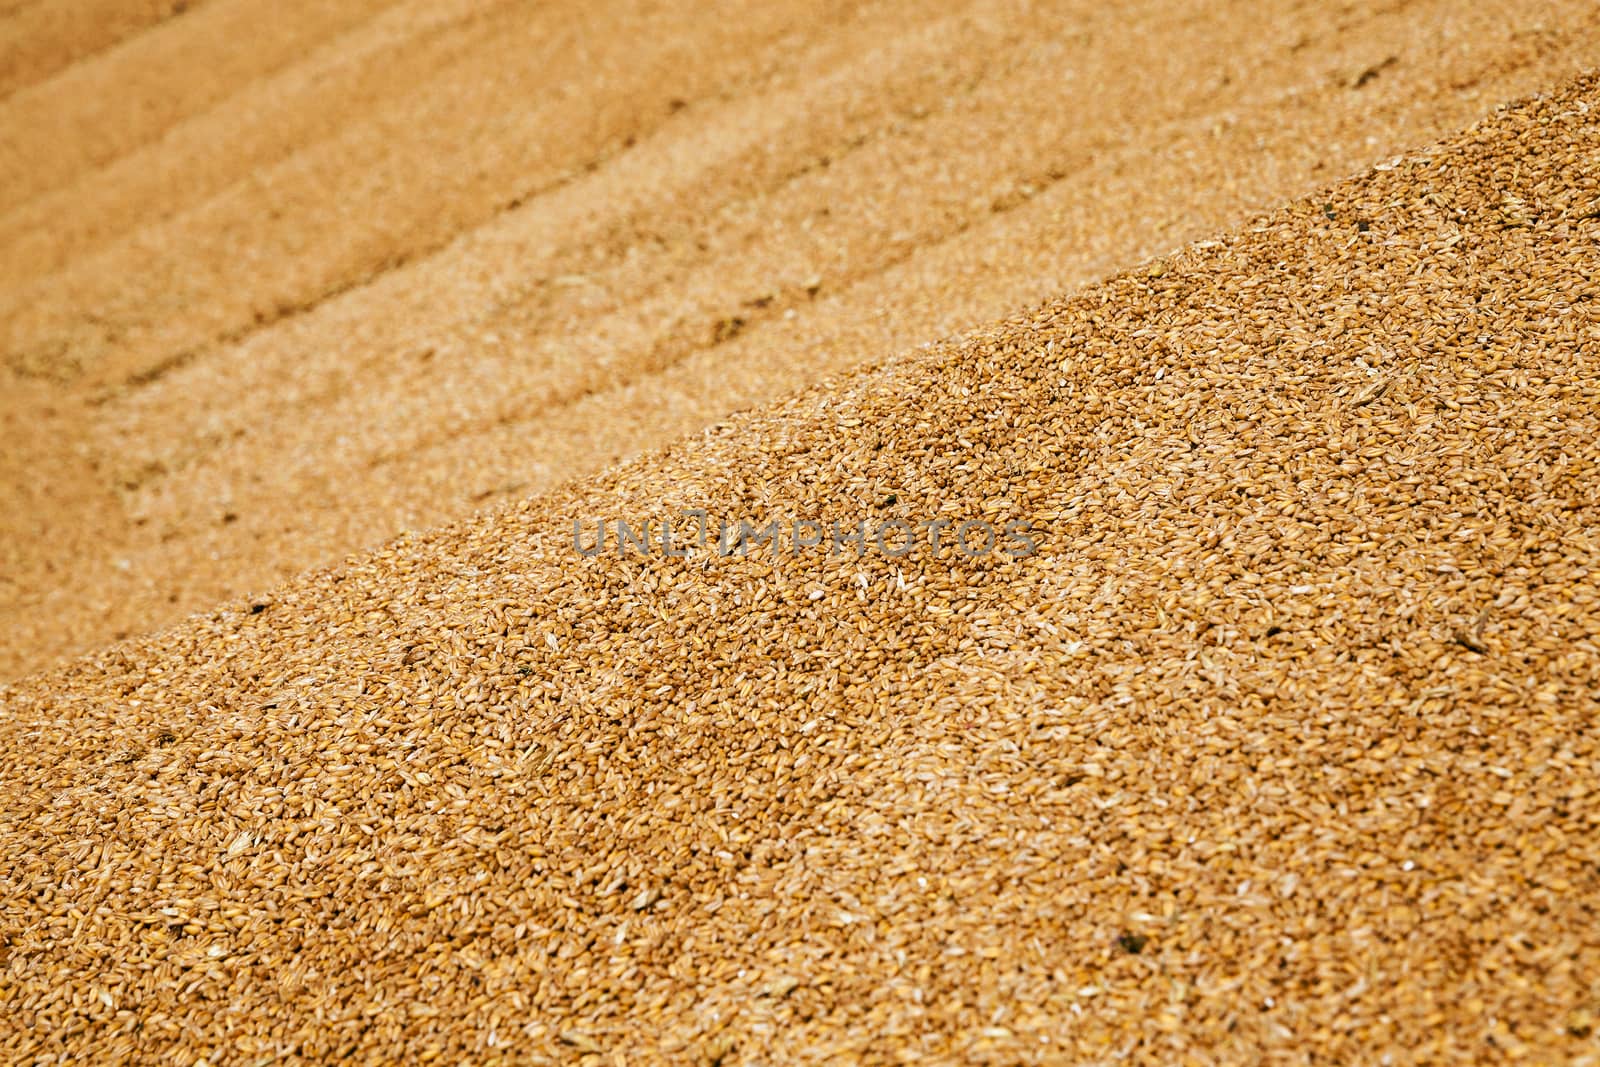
(1282, 748)
(280, 281)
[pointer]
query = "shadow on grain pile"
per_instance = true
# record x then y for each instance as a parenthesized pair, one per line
(1281, 748)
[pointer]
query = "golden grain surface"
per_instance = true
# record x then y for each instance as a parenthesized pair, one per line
(280, 281)
(1281, 750)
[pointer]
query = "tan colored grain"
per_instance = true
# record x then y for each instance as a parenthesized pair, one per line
(1211, 778)
(278, 282)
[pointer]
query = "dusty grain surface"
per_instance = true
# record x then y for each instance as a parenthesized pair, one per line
(279, 281)
(1282, 749)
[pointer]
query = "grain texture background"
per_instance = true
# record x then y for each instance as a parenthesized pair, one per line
(278, 282)
(1281, 750)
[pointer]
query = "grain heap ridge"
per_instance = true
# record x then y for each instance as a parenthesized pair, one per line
(1282, 749)
(278, 282)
